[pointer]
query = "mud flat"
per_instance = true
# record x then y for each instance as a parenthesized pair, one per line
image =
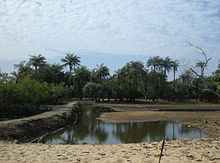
(205, 117)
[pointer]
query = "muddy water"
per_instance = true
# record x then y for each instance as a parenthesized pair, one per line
(93, 131)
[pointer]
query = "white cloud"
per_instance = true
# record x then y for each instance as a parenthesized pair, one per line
(138, 27)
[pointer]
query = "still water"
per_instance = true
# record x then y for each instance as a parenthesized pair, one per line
(93, 131)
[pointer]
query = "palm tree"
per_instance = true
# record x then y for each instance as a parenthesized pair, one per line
(37, 61)
(174, 65)
(82, 76)
(51, 73)
(102, 72)
(23, 70)
(137, 65)
(167, 64)
(71, 60)
(155, 62)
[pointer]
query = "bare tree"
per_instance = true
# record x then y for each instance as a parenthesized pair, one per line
(203, 65)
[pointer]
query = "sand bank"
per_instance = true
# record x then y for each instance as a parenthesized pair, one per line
(181, 151)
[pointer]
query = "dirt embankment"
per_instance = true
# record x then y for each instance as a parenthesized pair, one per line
(27, 129)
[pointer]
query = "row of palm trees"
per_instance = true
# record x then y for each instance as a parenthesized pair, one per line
(157, 63)
(36, 82)
(131, 81)
(72, 61)
(132, 76)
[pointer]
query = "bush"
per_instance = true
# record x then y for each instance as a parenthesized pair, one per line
(29, 92)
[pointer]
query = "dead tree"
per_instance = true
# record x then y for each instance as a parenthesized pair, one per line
(203, 65)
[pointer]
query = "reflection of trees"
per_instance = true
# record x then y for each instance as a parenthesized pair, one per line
(95, 127)
(90, 128)
(137, 132)
(60, 137)
(174, 138)
(87, 125)
(100, 134)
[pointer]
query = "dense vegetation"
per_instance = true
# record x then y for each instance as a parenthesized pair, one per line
(36, 83)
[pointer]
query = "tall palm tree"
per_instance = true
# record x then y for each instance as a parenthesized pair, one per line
(82, 76)
(155, 62)
(37, 61)
(137, 65)
(175, 65)
(71, 60)
(167, 64)
(102, 72)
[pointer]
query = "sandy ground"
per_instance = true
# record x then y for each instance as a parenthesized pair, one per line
(205, 150)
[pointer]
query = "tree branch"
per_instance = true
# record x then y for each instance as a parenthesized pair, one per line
(205, 62)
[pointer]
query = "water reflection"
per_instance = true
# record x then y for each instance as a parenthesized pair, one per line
(93, 131)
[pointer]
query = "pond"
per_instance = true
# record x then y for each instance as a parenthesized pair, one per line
(91, 130)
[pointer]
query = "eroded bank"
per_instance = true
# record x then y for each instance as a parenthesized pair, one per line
(29, 128)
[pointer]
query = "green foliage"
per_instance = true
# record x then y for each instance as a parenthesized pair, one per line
(100, 73)
(50, 74)
(4, 78)
(37, 83)
(9, 93)
(81, 77)
(30, 91)
(155, 62)
(218, 86)
(156, 85)
(92, 90)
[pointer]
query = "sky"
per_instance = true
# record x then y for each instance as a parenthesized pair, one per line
(112, 32)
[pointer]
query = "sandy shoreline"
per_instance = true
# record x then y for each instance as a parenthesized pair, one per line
(187, 150)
